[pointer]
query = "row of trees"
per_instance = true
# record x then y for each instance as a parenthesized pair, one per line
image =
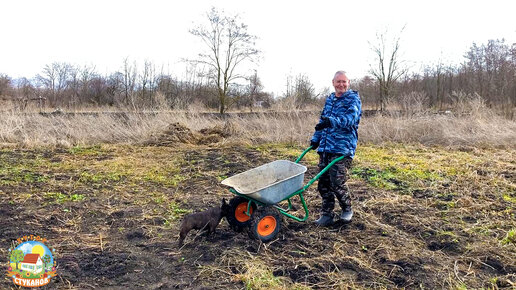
(67, 86)
(216, 79)
(488, 71)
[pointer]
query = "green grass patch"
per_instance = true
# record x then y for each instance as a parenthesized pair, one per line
(164, 177)
(259, 276)
(21, 168)
(395, 168)
(20, 174)
(100, 177)
(510, 238)
(176, 211)
(510, 197)
(95, 150)
(60, 198)
(408, 168)
(378, 178)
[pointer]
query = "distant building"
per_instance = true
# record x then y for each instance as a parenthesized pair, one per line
(32, 263)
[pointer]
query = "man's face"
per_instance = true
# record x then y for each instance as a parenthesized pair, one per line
(341, 84)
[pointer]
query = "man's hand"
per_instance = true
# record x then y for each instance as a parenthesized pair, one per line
(314, 144)
(325, 123)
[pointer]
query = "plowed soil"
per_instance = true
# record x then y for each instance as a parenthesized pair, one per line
(112, 213)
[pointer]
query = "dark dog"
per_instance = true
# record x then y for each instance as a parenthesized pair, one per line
(208, 220)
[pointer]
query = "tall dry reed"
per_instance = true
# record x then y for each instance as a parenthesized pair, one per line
(474, 126)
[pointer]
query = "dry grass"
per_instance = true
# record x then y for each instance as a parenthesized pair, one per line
(473, 125)
(449, 130)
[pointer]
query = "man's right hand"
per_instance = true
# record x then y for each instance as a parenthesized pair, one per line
(314, 144)
(325, 123)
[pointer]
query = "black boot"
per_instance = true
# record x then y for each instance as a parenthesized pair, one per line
(325, 220)
(346, 214)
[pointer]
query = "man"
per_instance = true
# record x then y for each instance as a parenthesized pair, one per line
(336, 135)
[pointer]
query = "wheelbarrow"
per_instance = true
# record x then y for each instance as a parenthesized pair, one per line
(258, 192)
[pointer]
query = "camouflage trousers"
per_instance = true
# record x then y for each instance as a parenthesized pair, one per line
(333, 182)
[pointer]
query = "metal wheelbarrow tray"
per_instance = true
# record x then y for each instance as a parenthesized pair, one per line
(269, 183)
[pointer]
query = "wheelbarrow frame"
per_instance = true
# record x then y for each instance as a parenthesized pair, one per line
(298, 192)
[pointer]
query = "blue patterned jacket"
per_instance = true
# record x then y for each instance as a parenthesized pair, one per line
(344, 114)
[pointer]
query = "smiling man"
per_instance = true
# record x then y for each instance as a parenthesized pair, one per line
(336, 135)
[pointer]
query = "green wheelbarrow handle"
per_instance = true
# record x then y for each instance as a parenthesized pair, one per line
(303, 154)
(322, 171)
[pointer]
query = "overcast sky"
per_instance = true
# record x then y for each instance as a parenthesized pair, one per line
(315, 38)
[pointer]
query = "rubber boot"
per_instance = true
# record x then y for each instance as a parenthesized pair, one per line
(325, 220)
(346, 215)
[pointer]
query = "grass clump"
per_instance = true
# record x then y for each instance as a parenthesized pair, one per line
(510, 238)
(259, 276)
(94, 150)
(164, 177)
(61, 198)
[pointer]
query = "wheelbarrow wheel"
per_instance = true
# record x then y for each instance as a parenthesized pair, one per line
(265, 224)
(237, 217)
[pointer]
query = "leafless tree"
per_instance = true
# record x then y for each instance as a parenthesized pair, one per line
(86, 76)
(389, 67)
(253, 94)
(55, 79)
(228, 46)
(254, 89)
(5, 85)
(129, 81)
(301, 90)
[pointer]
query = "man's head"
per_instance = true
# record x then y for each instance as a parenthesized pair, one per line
(340, 83)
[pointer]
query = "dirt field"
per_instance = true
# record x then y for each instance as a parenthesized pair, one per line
(425, 217)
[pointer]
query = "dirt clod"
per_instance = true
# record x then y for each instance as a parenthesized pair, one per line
(178, 133)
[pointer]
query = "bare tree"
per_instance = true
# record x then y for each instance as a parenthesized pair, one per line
(254, 89)
(87, 75)
(229, 46)
(128, 81)
(389, 67)
(55, 78)
(253, 94)
(301, 90)
(5, 85)
(24, 88)
(147, 81)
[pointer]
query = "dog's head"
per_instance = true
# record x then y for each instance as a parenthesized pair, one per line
(225, 208)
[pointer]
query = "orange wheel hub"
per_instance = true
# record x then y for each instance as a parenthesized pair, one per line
(240, 212)
(266, 225)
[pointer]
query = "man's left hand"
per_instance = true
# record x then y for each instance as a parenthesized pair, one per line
(325, 123)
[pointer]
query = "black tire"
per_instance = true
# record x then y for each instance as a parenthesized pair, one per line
(237, 217)
(265, 224)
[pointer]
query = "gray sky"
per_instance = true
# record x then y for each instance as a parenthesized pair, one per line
(308, 37)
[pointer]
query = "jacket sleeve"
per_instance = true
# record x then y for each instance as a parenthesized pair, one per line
(317, 136)
(349, 117)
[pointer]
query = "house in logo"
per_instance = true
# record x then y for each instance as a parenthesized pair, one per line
(32, 263)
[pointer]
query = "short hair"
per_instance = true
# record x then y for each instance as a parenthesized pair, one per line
(340, 72)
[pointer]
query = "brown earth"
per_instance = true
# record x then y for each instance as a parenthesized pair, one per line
(122, 234)
(178, 133)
